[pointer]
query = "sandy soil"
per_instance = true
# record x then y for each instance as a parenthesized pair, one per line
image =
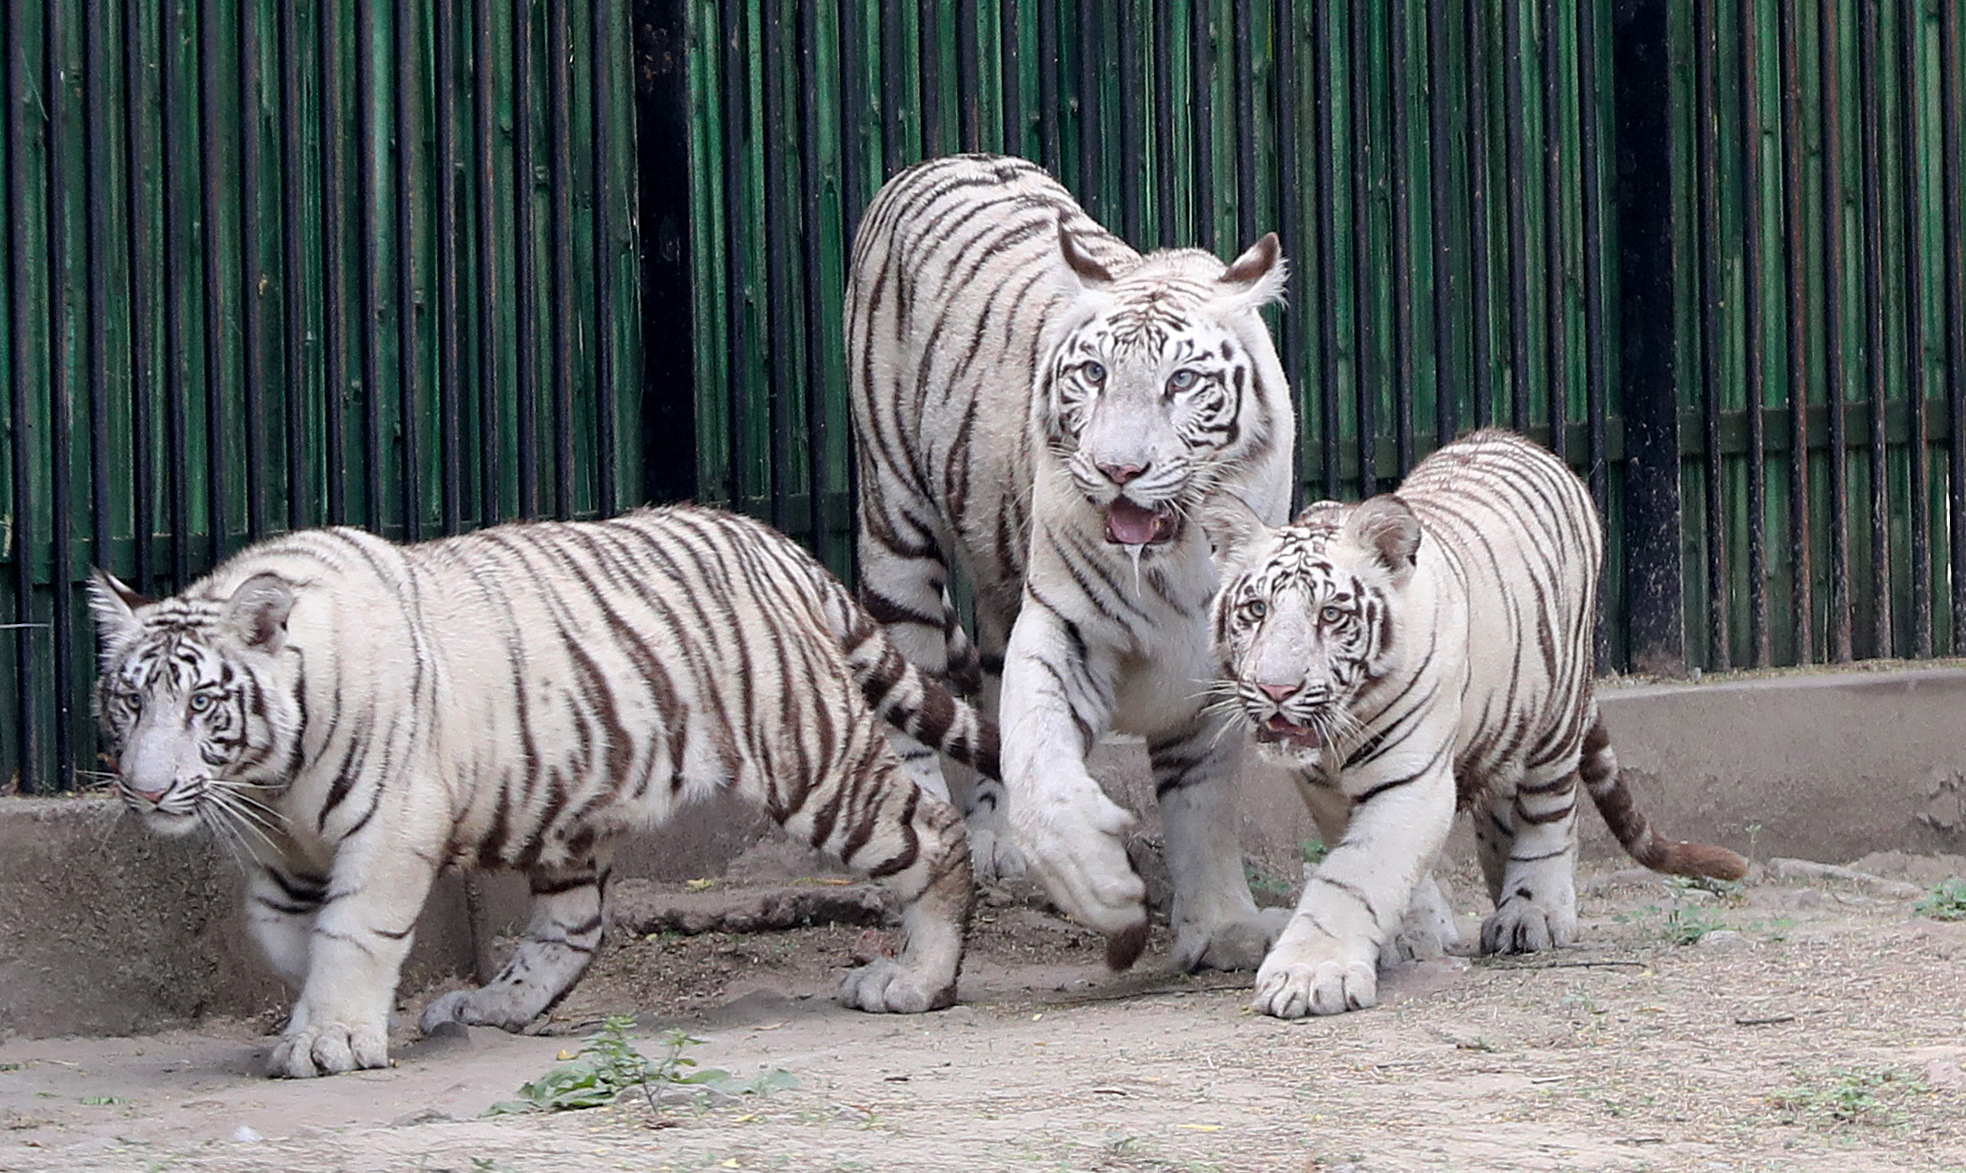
(1815, 1025)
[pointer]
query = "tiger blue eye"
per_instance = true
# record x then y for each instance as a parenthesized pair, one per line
(200, 702)
(1331, 614)
(1093, 372)
(1258, 608)
(1182, 379)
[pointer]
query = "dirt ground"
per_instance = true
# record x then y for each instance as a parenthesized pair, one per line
(1796, 1024)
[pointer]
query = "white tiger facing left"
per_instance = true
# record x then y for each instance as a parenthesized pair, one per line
(359, 715)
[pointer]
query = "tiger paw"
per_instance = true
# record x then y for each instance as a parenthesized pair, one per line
(478, 1007)
(1427, 931)
(1229, 945)
(1288, 988)
(992, 854)
(1077, 848)
(328, 1049)
(884, 986)
(1521, 925)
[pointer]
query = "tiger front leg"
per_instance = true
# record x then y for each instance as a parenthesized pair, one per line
(1057, 701)
(360, 936)
(1215, 919)
(282, 898)
(560, 943)
(1326, 961)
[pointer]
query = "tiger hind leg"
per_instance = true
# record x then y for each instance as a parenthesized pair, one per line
(916, 847)
(1527, 839)
(1215, 919)
(559, 945)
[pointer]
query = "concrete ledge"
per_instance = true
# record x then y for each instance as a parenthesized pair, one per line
(1826, 765)
(106, 929)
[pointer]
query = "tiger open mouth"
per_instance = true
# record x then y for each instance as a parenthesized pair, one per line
(1130, 524)
(1280, 730)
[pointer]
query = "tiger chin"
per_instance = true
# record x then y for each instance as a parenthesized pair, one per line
(1421, 652)
(355, 716)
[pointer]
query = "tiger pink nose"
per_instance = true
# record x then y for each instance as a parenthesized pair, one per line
(149, 795)
(1120, 474)
(1279, 692)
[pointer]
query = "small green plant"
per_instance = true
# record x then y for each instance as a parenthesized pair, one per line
(1262, 884)
(1946, 901)
(1851, 1096)
(1687, 923)
(1315, 851)
(609, 1064)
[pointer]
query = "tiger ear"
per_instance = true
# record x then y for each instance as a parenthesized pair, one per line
(1256, 278)
(1388, 527)
(1079, 271)
(258, 611)
(1233, 528)
(115, 607)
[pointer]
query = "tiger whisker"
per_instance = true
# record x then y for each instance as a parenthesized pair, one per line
(222, 834)
(237, 823)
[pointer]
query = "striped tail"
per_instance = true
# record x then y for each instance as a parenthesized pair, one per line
(911, 701)
(1599, 771)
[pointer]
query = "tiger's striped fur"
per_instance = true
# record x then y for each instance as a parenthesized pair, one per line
(359, 715)
(1034, 398)
(1421, 651)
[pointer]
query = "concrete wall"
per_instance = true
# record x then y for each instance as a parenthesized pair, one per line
(107, 929)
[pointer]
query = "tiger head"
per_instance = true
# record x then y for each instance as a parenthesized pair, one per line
(190, 699)
(1160, 380)
(1309, 616)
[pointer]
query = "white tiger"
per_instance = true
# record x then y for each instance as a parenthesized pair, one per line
(1419, 651)
(358, 715)
(1035, 398)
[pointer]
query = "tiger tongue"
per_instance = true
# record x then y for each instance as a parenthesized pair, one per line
(1129, 524)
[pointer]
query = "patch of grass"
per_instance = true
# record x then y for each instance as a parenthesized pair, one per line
(11, 1066)
(1687, 923)
(1946, 901)
(610, 1064)
(1314, 851)
(1863, 1095)
(1691, 915)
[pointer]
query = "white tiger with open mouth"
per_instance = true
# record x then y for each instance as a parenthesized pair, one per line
(1421, 651)
(1034, 397)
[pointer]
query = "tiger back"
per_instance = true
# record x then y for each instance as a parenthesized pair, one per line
(356, 715)
(1418, 652)
(1038, 402)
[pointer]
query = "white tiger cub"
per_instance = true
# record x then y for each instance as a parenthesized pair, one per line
(359, 715)
(1421, 651)
(1034, 397)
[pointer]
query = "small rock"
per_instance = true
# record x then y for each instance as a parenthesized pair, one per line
(1723, 939)
(1945, 1075)
(246, 1134)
